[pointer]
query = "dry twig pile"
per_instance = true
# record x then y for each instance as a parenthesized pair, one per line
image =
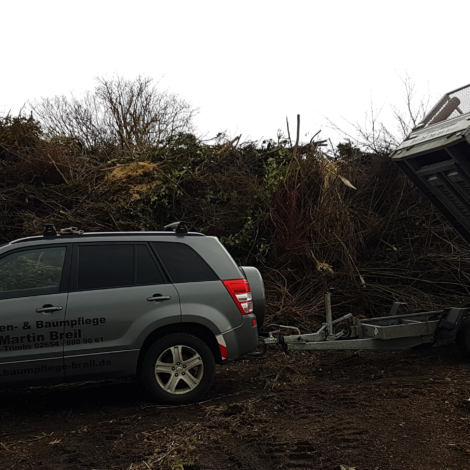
(308, 219)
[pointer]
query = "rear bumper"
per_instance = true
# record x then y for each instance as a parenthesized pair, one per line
(236, 343)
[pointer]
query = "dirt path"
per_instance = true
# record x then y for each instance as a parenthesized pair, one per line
(363, 410)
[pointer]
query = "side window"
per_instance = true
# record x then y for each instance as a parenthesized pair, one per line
(105, 266)
(31, 272)
(108, 266)
(183, 263)
(146, 269)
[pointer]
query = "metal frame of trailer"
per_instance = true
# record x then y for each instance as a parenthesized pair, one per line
(392, 331)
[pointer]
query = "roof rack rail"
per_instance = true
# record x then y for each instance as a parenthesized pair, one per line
(178, 227)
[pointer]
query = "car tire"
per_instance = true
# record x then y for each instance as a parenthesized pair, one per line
(178, 369)
(463, 339)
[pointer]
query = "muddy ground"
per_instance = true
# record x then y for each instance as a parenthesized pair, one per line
(330, 410)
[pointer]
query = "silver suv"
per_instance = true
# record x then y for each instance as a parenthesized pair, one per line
(165, 306)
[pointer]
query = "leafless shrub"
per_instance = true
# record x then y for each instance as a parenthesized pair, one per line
(119, 114)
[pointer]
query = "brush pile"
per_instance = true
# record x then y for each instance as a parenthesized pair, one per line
(309, 219)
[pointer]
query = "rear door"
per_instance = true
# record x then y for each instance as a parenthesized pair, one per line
(204, 298)
(119, 295)
(33, 301)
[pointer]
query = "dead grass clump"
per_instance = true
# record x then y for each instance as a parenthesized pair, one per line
(135, 178)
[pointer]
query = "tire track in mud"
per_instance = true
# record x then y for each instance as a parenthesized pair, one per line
(396, 410)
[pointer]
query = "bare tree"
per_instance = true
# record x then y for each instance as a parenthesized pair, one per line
(415, 108)
(121, 113)
(83, 119)
(375, 135)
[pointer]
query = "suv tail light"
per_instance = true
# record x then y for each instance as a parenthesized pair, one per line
(240, 291)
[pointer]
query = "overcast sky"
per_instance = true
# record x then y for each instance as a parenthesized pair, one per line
(246, 64)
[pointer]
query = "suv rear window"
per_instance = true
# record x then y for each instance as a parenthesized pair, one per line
(107, 266)
(183, 263)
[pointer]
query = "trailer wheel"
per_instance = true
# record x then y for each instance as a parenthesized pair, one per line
(463, 339)
(343, 328)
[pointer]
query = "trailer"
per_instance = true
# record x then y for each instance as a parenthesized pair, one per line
(392, 331)
(435, 156)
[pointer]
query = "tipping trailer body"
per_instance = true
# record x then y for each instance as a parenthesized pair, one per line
(435, 156)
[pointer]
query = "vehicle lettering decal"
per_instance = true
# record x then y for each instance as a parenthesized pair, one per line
(44, 369)
(29, 338)
(4, 328)
(51, 336)
(72, 323)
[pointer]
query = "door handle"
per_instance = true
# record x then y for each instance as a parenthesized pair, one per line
(158, 298)
(48, 309)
